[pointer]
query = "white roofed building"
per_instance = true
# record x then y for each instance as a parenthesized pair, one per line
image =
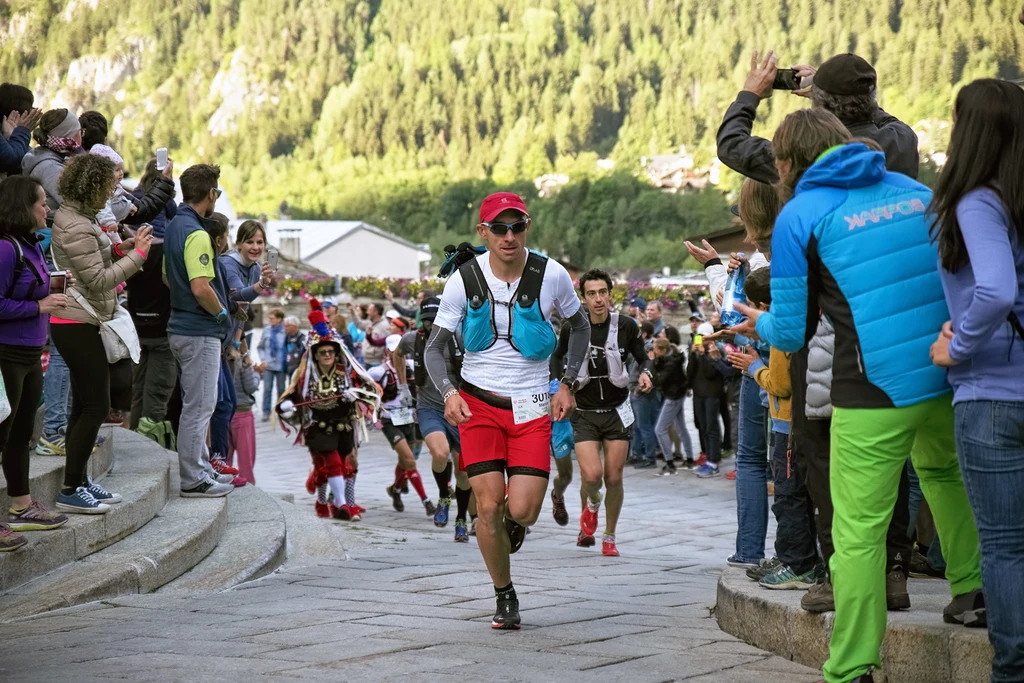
(348, 248)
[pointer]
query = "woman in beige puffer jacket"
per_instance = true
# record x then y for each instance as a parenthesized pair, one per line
(80, 247)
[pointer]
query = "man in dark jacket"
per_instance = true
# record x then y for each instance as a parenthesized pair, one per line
(18, 119)
(845, 85)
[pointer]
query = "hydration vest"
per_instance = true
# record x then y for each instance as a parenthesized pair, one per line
(617, 373)
(420, 376)
(391, 387)
(528, 331)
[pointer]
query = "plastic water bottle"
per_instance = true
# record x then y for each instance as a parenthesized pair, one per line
(734, 295)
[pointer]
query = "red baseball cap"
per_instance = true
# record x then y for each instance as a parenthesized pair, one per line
(501, 201)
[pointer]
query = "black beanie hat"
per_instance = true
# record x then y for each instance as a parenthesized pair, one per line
(846, 74)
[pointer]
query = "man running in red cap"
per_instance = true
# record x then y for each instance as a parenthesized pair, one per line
(503, 409)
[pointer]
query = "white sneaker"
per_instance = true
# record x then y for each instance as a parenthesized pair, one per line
(208, 489)
(222, 478)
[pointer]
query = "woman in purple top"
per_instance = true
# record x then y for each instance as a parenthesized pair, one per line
(979, 226)
(25, 305)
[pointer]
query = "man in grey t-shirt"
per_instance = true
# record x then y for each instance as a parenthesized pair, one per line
(442, 438)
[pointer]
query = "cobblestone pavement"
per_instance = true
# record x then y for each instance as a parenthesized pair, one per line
(409, 603)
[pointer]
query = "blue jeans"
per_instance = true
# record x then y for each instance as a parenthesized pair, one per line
(220, 423)
(270, 377)
(56, 394)
(646, 407)
(990, 445)
(751, 475)
(934, 556)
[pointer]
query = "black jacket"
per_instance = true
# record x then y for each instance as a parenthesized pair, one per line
(149, 300)
(753, 156)
(706, 375)
(670, 375)
(152, 203)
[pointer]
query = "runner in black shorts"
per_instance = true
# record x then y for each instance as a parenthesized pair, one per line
(399, 428)
(442, 438)
(604, 415)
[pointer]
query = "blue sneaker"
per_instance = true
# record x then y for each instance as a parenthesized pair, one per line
(441, 513)
(707, 470)
(461, 533)
(101, 494)
(81, 502)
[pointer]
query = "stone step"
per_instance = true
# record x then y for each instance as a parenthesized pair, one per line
(177, 539)
(918, 647)
(253, 545)
(46, 472)
(310, 538)
(142, 477)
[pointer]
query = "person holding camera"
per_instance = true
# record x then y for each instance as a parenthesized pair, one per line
(80, 245)
(25, 306)
(845, 85)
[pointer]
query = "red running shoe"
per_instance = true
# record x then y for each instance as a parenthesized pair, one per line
(323, 509)
(588, 521)
(585, 541)
(221, 467)
(731, 476)
(608, 549)
(353, 511)
(702, 460)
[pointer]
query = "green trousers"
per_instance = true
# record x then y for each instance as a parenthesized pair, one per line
(869, 449)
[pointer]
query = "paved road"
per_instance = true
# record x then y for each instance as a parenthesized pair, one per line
(410, 604)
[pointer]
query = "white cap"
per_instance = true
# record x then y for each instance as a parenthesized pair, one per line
(392, 314)
(393, 341)
(705, 329)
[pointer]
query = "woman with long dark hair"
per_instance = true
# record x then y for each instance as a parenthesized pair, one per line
(80, 246)
(978, 211)
(25, 306)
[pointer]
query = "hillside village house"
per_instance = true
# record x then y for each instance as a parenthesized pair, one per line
(348, 248)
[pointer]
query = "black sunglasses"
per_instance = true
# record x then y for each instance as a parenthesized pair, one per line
(501, 229)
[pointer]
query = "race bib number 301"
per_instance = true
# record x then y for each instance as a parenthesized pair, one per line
(527, 407)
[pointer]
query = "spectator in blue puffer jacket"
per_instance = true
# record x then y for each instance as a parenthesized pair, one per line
(853, 242)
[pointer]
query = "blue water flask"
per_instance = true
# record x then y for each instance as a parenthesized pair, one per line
(734, 295)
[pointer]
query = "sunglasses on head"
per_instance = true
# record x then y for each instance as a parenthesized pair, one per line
(501, 229)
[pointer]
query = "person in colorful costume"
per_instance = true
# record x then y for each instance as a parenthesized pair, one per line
(328, 400)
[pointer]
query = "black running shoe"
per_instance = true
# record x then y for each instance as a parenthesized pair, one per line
(507, 615)
(558, 510)
(396, 498)
(516, 535)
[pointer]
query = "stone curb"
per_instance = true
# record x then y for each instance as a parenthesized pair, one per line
(184, 532)
(142, 479)
(253, 545)
(918, 647)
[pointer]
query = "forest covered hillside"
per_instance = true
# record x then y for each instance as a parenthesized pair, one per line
(403, 111)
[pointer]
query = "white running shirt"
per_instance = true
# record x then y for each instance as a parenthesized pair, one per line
(501, 369)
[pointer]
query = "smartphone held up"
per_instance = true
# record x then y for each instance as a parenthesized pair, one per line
(58, 282)
(161, 158)
(786, 79)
